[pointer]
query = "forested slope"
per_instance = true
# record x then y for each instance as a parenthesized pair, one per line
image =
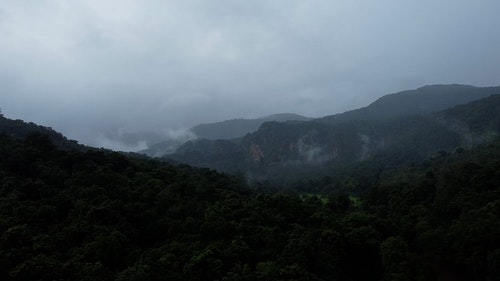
(96, 215)
(286, 152)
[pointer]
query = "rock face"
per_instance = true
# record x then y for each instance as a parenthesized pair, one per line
(256, 152)
(404, 139)
(306, 143)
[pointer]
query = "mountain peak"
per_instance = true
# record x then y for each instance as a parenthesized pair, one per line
(236, 128)
(281, 117)
(423, 100)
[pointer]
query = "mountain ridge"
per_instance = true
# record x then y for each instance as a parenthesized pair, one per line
(276, 146)
(238, 127)
(423, 100)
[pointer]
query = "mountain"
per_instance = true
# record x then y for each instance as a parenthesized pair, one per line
(236, 128)
(421, 101)
(310, 149)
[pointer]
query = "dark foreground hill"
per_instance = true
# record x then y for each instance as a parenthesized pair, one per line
(98, 215)
(20, 129)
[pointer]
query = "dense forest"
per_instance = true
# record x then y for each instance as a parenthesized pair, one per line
(100, 215)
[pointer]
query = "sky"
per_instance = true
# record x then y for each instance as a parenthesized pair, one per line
(99, 70)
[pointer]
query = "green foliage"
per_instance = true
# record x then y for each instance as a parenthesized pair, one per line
(394, 252)
(97, 215)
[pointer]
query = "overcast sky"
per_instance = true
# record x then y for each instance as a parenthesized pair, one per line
(94, 69)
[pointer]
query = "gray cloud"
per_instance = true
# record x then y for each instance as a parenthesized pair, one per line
(88, 68)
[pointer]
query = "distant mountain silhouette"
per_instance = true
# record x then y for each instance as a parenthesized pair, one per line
(423, 100)
(236, 128)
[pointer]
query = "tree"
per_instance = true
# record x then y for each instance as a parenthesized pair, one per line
(394, 252)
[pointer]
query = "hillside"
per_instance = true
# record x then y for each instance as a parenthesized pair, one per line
(99, 215)
(293, 150)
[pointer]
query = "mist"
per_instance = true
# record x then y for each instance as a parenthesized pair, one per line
(123, 74)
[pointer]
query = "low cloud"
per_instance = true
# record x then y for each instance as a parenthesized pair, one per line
(179, 134)
(105, 142)
(135, 141)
